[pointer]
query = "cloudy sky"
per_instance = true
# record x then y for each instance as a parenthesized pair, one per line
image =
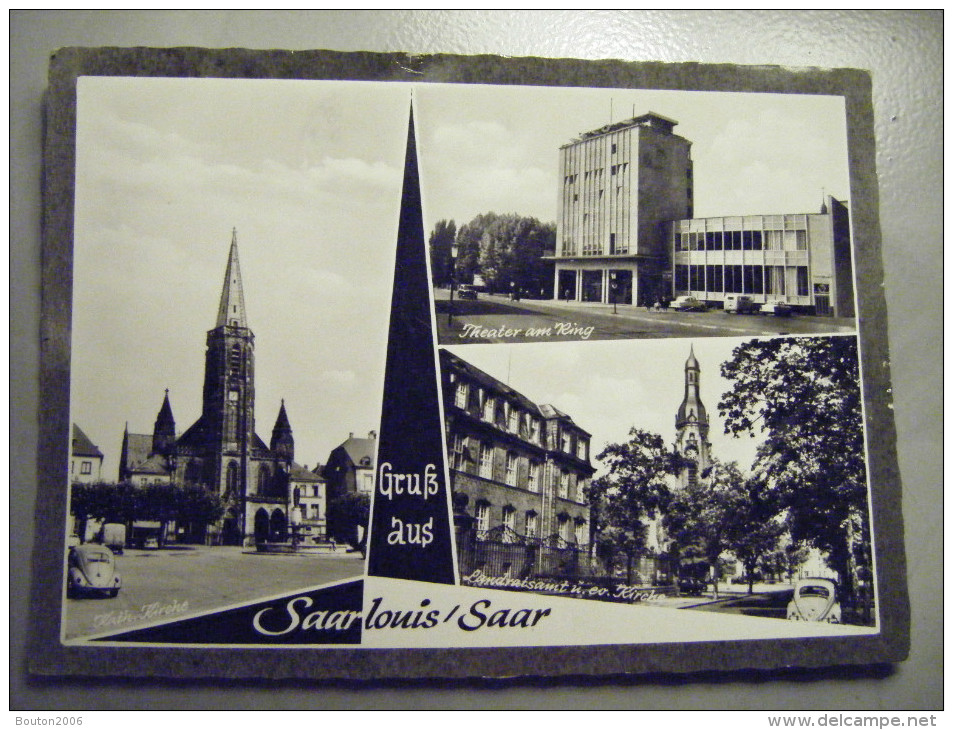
(609, 386)
(486, 148)
(309, 173)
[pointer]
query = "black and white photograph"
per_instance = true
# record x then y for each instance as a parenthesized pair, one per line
(233, 260)
(576, 214)
(719, 475)
(350, 369)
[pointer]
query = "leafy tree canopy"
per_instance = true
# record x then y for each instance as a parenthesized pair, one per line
(804, 393)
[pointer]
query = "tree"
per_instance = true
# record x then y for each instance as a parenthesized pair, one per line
(700, 514)
(507, 252)
(804, 393)
(349, 514)
(106, 501)
(753, 529)
(634, 489)
(441, 239)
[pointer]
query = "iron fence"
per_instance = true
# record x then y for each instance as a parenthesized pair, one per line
(504, 553)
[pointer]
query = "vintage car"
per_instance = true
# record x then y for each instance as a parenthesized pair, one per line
(92, 570)
(689, 586)
(740, 304)
(815, 599)
(466, 291)
(686, 303)
(776, 307)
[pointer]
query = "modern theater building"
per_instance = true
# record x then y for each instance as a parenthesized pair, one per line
(625, 231)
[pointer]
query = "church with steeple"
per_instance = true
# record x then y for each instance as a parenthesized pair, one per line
(691, 427)
(263, 489)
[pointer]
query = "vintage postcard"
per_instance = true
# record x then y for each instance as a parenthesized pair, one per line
(567, 369)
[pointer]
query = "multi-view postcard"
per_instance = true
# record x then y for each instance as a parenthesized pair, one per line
(386, 375)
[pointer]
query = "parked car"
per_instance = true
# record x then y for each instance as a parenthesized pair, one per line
(815, 599)
(688, 304)
(689, 586)
(92, 570)
(466, 291)
(150, 543)
(113, 536)
(740, 304)
(777, 308)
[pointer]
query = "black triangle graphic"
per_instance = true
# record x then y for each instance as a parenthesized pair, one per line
(320, 616)
(410, 521)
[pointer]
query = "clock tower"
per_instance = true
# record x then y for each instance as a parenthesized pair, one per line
(691, 427)
(228, 395)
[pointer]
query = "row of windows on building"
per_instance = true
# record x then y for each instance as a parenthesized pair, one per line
(508, 417)
(775, 240)
(742, 279)
(568, 529)
(513, 466)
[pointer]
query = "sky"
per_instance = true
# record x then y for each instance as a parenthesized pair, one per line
(486, 148)
(309, 174)
(610, 386)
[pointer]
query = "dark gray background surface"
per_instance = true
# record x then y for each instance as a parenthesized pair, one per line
(903, 51)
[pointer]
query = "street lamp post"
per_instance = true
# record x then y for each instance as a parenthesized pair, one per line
(454, 249)
(612, 291)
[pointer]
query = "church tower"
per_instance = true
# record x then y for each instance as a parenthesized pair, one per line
(691, 427)
(228, 394)
(282, 440)
(163, 433)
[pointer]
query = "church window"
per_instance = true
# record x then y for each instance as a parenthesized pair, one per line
(235, 356)
(264, 477)
(231, 478)
(564, 484)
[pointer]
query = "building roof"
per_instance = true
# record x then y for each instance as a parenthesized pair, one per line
(651, 119)
(82, 446)
(488, 381)
(299, 473)
(231, 307)
(139, 456)
(360, 450)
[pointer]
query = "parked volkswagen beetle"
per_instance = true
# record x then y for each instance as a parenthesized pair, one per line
(815, 599)
(92, 570)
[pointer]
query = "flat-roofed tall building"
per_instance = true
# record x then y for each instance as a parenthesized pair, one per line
(620, 183)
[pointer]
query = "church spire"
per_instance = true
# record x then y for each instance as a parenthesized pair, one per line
(282, 441)
(163, 433)
(231, 307)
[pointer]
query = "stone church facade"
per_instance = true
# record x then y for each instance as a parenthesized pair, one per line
(259, 482)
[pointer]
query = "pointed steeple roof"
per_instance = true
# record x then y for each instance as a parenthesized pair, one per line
(281, 423)
(691, 362)
(231, 307)
(165, 419)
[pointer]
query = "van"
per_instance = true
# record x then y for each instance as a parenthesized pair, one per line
(740, 304)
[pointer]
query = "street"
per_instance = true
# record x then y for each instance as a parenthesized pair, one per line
(179, 581)
(766, 602)
(494, 318)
